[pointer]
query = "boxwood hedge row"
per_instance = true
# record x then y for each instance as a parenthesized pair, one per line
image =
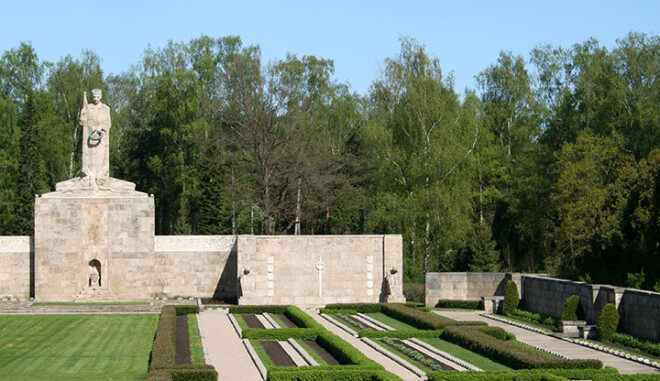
(508, 353)
(422, 320)
(333, 374)
(464, 304)
(162, 365)
(525, 375)
(420, 333)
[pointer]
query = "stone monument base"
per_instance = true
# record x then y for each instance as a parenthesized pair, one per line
(93, 244)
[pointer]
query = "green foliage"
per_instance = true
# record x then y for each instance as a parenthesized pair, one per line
(647, 346)
(336, 374)
(401, 334)
(635, 280)
(185, 310)
(527, 375)
(300, 318)
(508, 353)
(607, 322)
(164, 350)
(333, 311)
(257, 309)
(196, 348)
(420, 319)
(359, 307)
(280, 334)
(536, 317)
(484, 257)
(345, 353)
(464, 304)
(511, 298)
(414, 292)
(573, 309)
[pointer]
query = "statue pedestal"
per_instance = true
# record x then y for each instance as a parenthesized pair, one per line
(84, 232)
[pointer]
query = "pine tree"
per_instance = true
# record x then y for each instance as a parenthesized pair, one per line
(31, 167)
(484, 256)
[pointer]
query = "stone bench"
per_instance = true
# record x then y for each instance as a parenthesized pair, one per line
(492, 304)
(587, 331)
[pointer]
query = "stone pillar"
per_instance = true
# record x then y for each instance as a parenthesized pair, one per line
(74, 228)
(393, 268)
(246, 254)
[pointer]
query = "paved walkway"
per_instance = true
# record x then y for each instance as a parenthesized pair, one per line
(389, 365)
(226, 351)
(556, 345)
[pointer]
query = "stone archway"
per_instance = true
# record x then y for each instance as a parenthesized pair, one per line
(94, 273)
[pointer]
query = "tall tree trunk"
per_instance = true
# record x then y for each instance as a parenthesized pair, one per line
(298, 211)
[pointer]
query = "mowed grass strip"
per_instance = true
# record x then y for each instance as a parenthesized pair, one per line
(196, 349)
(76, 347)
(466, 355)
(392, 322)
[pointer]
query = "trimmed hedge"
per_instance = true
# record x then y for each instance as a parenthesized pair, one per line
(511, 298)
(281, 334)
(536, 317)
(510, 354)
(345, 353)
(336, 374)
(607, 322)
(525, 375)
(573, 309)
(648, 346)
(257, 309)
(300, 318)
(420, 319)
(164, 350)
(185, 310)
(359, 307)
(334, 311)
(162, 366)
(464, 304)
(401, 334)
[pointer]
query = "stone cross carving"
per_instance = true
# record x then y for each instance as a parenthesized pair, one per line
(320, 265)
(95, 120)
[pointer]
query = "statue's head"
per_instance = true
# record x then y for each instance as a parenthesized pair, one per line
(96, 96)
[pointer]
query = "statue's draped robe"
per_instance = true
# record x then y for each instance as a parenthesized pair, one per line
(96, 153)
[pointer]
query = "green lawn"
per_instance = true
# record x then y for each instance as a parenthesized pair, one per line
(76, 347)
(394, 323)
(466, 355)
(196, 349)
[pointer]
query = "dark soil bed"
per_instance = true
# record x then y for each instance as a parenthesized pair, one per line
(286, 321)
(252, 321)
(212, 301)
(182, 356)
(441, 364)
(277, 353)
(327, 357)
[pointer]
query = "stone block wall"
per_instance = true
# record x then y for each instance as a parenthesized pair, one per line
(639, 310)
(462, 286)
(197, 266)
(15, 264)
(317, 270)
(72, 230)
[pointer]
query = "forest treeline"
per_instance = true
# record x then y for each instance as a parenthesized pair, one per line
(552, 164)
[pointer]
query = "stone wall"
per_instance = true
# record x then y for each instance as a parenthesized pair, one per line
(74, 229)
(639, 310)
(15, 263)
(462, 286)
(317, 270)
(197, 266)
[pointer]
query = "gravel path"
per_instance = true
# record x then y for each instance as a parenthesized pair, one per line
(225, 349)
(556, 345)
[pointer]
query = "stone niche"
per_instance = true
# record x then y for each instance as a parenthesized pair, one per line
(81, 233)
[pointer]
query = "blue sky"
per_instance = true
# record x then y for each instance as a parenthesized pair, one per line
(358, 35)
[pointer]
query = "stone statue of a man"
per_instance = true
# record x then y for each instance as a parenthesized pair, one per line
(95, 119)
